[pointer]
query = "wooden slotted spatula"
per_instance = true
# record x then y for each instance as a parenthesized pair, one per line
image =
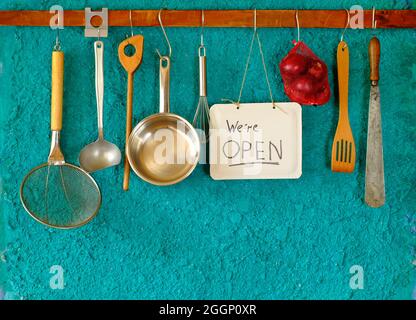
(343, 147)
(130, 64)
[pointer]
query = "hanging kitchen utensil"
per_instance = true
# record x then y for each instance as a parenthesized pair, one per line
(374, 168)
(130, 63)
(163, 149)
(56, 193)
(343, 147)
(305, 76)
(256, 140)
(100, 154)
(201, 118)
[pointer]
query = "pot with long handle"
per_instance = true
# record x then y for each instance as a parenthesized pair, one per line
(163, 149)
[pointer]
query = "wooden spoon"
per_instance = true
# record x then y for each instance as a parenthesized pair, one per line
(130, 64)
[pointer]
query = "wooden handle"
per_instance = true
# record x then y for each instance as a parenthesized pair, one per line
(374, 53)
(57, 90)
(343, 65)
(215, 18)
(129, 117)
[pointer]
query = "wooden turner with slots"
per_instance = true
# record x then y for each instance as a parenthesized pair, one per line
(343, 147)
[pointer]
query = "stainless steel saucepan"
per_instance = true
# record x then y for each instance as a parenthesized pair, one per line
(163, 149)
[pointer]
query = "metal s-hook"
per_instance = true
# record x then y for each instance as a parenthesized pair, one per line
(346, 26)
(202, 27)
(297, 24)
(57, 46)
(159, 16)
(373, 19)
(201, 48)
(131, 24)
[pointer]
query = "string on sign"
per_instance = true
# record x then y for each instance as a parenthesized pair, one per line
(253, 38)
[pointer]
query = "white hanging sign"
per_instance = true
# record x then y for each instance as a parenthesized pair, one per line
(256, 141)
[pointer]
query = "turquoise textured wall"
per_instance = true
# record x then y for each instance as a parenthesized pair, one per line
(203, 238)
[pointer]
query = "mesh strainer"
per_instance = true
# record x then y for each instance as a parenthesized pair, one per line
(58, 194)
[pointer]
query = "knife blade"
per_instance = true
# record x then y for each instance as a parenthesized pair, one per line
(374, 171)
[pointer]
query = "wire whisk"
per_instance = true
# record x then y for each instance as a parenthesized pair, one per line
(201, 120)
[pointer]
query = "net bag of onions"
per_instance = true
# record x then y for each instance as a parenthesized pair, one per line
(305, 76)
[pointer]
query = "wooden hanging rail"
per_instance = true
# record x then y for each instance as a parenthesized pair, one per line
(217, 18)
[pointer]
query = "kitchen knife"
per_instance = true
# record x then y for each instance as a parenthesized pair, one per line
(374, 171)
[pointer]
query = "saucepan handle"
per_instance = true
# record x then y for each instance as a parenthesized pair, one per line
(164, 84)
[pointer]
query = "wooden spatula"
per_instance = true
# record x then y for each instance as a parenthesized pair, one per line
(343, 147)
(130, 64)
